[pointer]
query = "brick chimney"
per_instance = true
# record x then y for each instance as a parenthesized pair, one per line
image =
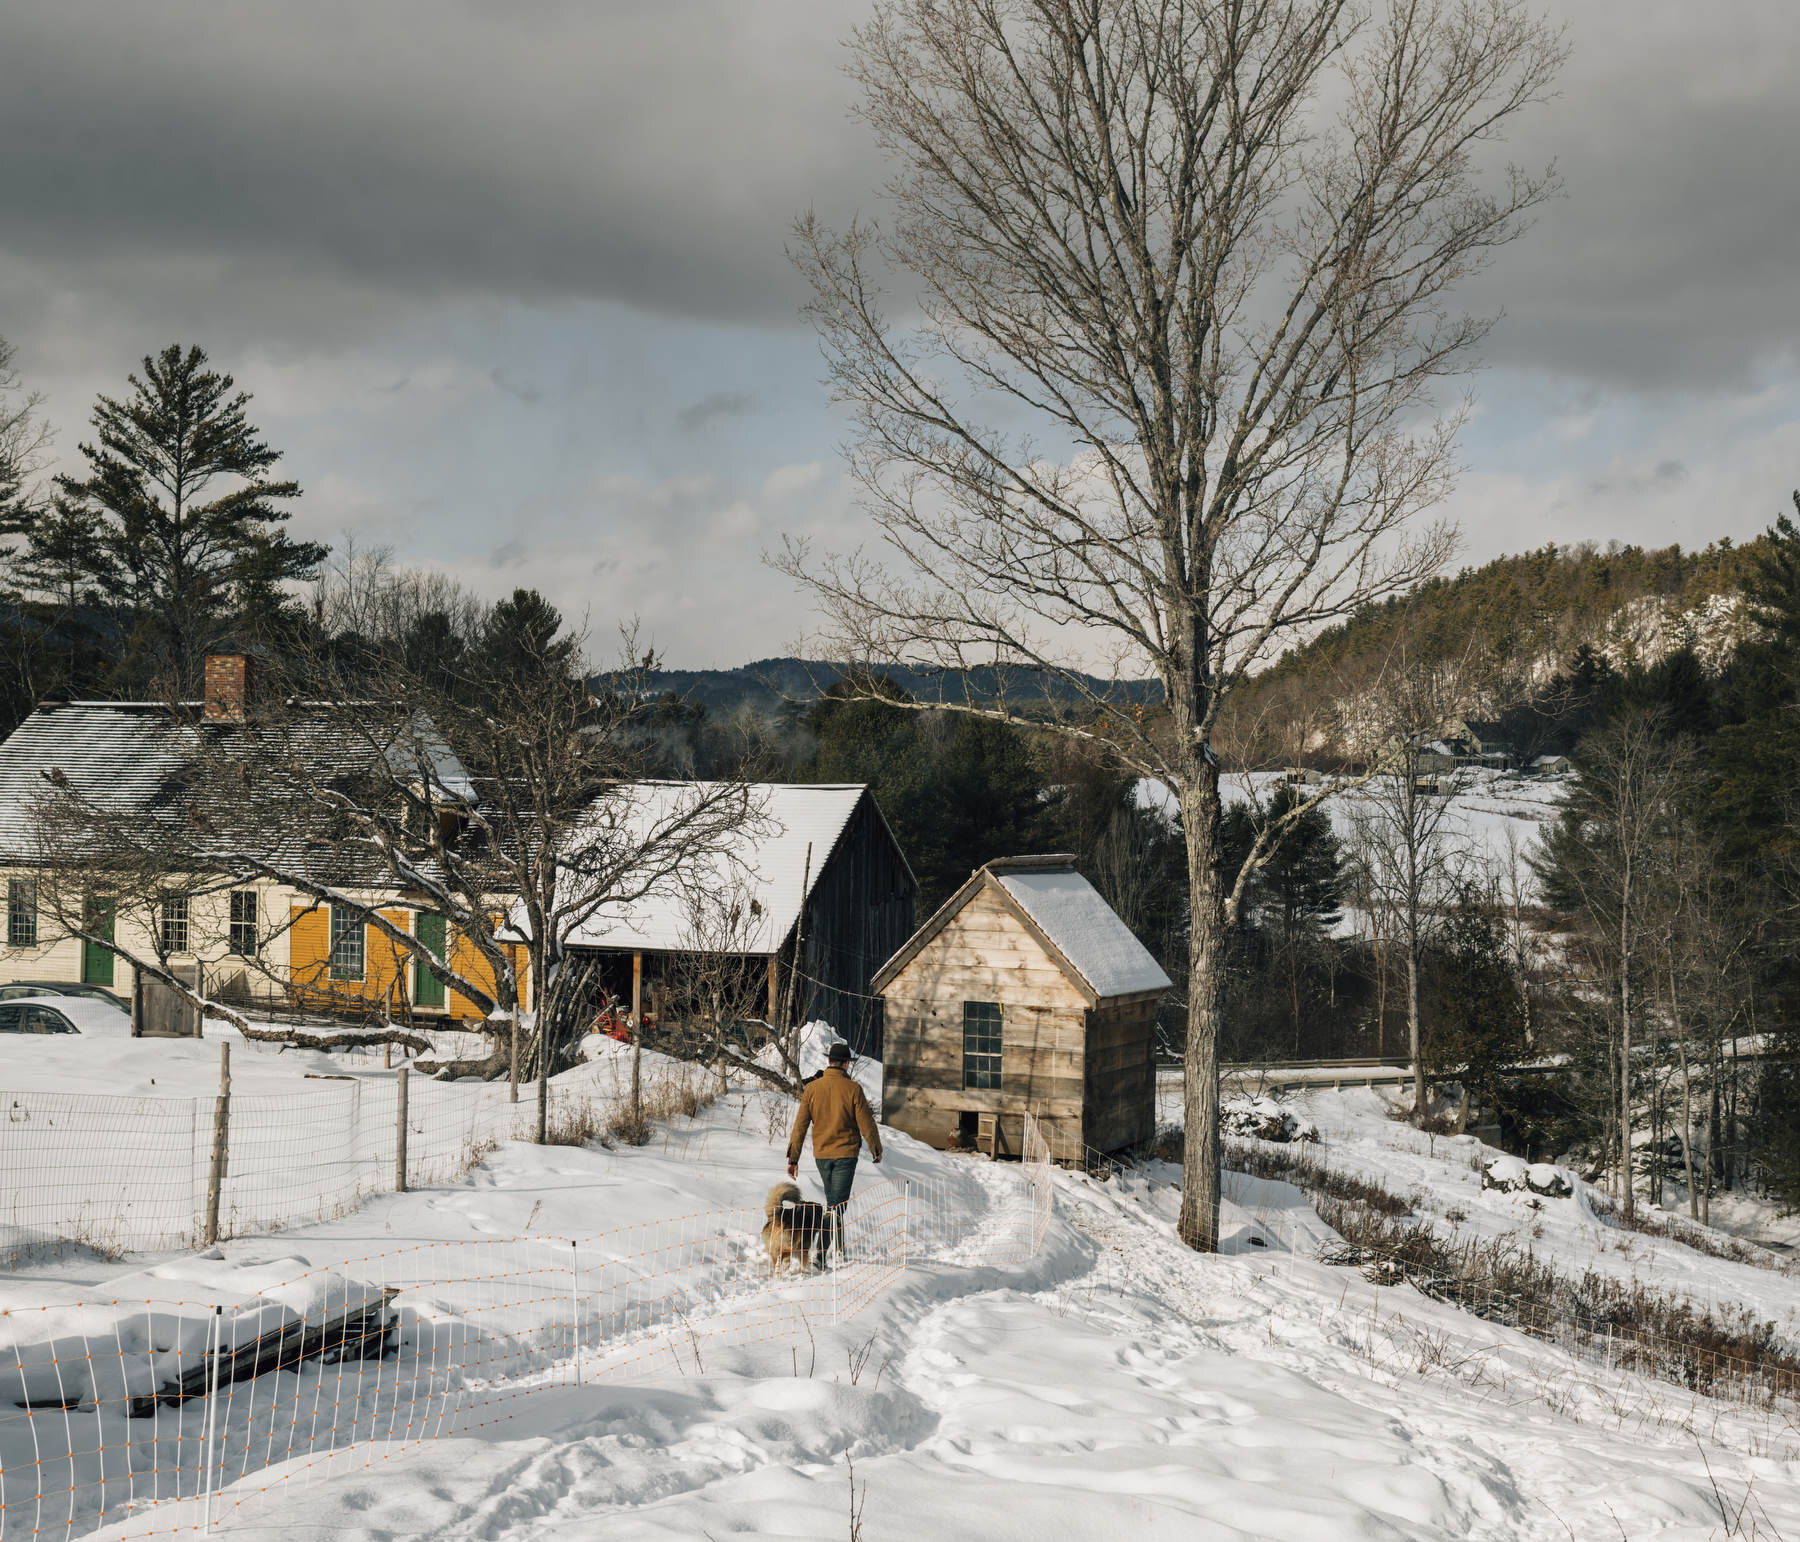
(227, 687)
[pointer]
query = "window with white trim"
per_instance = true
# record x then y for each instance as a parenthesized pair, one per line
(346, 944)
(21, 912)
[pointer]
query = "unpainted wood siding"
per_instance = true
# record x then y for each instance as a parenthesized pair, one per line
(984, 953)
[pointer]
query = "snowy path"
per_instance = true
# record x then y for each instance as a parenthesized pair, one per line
(1116, 1384)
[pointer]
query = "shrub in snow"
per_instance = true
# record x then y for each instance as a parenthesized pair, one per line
(1263, 1119)
(1509, 1174)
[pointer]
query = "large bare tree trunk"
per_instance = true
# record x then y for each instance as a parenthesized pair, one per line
(1201, 1174)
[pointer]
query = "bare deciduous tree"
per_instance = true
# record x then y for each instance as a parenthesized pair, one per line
(1161, 395)
(24, 439)
(1604, 861)
(1401, 830)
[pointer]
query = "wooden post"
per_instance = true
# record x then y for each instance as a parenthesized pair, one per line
(400, 1134)
(637, 1032)
(221, 1144)
(774, 986)
(137, 1003)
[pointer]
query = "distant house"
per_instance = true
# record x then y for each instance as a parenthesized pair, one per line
(262, 938)
(1552, 765)
(1473, 743)
(1437, 756)
(1025, 992)
(813, 890)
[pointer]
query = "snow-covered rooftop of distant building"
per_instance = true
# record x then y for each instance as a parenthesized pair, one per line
(760, 870)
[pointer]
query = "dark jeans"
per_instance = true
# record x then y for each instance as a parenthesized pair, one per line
(837, 1174)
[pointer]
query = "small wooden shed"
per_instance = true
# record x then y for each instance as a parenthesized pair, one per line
(1024, 992)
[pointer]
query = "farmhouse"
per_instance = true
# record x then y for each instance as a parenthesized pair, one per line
(1024, 993)
(811, 893)
(260, 939)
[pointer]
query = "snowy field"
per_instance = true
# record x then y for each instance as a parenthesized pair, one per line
(1113, 1383)
(1493, 815)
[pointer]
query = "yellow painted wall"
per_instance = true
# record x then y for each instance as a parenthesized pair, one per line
(387, 967)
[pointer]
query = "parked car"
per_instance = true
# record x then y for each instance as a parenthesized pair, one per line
(61, 1014)
(35, 988)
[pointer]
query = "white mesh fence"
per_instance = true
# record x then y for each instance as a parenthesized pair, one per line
(129, 1174)
(170, 1416)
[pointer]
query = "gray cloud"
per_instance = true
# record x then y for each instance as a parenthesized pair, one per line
(654, 155)
(718, 404)
(1674, 259)
(647, 154)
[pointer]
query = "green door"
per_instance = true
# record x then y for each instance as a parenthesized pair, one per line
(428, 989)
(96, 961)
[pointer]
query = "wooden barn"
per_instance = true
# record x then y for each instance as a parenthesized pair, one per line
(1025, 992)
(813, 893)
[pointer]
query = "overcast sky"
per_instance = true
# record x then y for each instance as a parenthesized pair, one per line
(507, 280)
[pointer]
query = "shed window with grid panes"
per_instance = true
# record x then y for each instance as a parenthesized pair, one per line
(346, 944)
(21, 912)
(981, 1044)
(174, 923)
(243, 923)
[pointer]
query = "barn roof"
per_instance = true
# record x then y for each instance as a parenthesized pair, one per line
(1080, 931)
(761, 867)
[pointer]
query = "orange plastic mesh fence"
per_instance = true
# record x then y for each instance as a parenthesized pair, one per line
(173, 1415)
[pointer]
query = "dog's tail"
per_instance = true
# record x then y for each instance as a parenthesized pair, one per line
(784, 1193)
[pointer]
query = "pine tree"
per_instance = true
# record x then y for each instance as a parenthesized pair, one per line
(187, 519)
(1477, 1018)
(1297, 892)
(522, 644)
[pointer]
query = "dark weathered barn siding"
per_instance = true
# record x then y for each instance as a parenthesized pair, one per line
(860, 912)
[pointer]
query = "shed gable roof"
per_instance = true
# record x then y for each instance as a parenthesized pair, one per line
(1080, 932)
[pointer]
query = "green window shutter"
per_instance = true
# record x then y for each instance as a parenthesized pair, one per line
(428, 989)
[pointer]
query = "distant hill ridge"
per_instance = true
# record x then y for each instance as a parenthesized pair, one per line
(770, 685)
(1524, 617)
(1519, 621)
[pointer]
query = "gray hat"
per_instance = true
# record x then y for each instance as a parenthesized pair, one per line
(838, 1054)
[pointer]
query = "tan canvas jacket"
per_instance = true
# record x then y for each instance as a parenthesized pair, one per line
(835, 1108)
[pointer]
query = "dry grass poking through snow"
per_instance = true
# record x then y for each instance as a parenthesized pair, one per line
(1723, 1351)
(665, 1095)
(1702, 1239)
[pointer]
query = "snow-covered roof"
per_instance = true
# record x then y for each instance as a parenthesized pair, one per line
(148, 761)
(1086, 930)
(760, 869)
(1082, 933)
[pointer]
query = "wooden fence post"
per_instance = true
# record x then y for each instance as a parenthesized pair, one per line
(400, 1134)
(221, 1144)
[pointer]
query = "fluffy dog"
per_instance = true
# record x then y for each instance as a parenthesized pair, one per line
(797, 1230)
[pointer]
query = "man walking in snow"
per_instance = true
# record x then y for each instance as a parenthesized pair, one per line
(839, 1115)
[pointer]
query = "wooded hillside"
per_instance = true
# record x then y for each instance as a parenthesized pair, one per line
(1510, 626)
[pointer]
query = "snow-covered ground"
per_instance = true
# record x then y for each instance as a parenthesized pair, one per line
(1494, 816)
(1114, 1383)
